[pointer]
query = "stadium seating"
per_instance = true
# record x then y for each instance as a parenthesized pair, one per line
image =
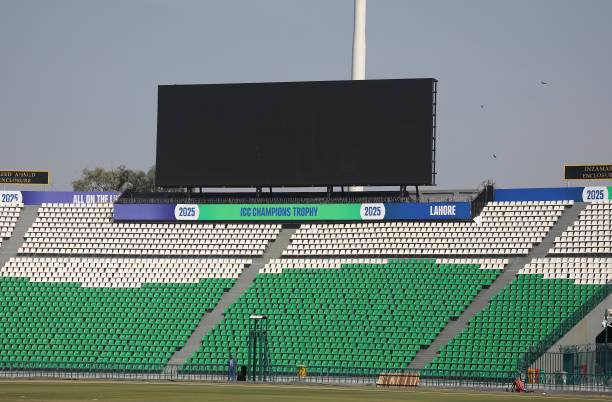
(88, 229)
(353, 315)
(122, 272)
(547, 292)
(105, 313)
(86, 292)
(590, 234)
(503, 228)
(8, 217)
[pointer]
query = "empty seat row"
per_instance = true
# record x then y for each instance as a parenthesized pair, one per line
(364, 315)
(9, 214)
(590, 234)
(117, 313)
(547, 292)
(76, 229)
(105, 272)
(278, 265)
(511, 228)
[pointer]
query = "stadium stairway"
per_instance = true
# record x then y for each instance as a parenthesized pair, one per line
(11, 246)
(211, 319)
(426, 356)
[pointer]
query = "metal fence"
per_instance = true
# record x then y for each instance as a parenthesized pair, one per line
(581, 365)
(564, 326)
(539, 377)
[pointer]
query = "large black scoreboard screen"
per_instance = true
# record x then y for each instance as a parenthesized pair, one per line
(322, 133)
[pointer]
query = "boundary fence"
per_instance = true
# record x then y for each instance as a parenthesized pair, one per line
(540, 380)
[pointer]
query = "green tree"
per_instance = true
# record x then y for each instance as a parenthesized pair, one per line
(100, 179)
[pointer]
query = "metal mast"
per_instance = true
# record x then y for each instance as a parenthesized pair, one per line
(359, 50)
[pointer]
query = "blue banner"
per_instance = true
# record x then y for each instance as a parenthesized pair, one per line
(144, 212)
(539, 194)
(428, 211)
(294, 212)
(58, 197)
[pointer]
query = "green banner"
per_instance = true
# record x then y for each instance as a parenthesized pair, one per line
(279, 212)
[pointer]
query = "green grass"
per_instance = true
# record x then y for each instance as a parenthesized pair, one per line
(189, 392)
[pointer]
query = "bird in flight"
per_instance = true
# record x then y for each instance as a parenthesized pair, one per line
(494, 156)
(543, 82)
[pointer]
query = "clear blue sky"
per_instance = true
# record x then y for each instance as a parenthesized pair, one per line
(78, 79)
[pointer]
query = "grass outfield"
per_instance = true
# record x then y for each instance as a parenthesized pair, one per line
(189, 392)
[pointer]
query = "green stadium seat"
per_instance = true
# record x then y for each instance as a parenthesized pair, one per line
(64, 325)
(524, 313)
(353, 319)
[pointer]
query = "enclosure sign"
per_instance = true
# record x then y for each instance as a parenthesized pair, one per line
(588, 172)
(24, 177)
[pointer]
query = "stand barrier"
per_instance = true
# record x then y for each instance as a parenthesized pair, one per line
(579, 380)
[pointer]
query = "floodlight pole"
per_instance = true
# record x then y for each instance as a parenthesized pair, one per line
(258, 359)
(359, 41)
(359, 50)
